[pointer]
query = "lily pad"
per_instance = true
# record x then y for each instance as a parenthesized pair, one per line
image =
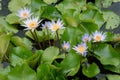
(112, 20)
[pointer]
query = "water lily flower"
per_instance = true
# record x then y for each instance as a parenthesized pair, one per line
(31, 23)
(66, 46)
(45, 25)
(81, 49)
(99, 36)
(54, 26)
(24, 13)
(86, 38)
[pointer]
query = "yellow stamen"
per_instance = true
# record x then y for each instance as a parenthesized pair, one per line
(55, 27)
(81, 49)
(65, 46)
(98, 38)
(25, 14)
(86, 39)
(32, 24)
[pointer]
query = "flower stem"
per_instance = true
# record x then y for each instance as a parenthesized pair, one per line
(58, 40)
(48, 37)
(37, 39)
(80, 64)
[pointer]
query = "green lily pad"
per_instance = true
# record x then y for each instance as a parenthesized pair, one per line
(23, 72)
(15, 5)
(70, 65)
(4, 43)
(19, 55)
(7, 26)
(91, 70)
(50, 1)
(43, 72)
(92, 16)
(107, 55)
(113, 77)
(49, 55)
(112, 20)
(12, 18)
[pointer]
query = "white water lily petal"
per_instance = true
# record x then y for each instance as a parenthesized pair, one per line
(31, 23)
(24, 13)
(99, 36)
(81, 49)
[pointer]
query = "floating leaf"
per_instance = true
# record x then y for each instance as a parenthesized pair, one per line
(37, 4)
(12, 18)
(17, 41)
(106, 3)
(50, 12)
(71, 5)
(113, 77)
(19, 55)
(50, 1)
(8, 27)
(92, 16)
(90, 70)
(23, 72)
(71, 18)
(89, 27)
(43, 72)
(70, 65)
(113, 20)
(49, 55)
(34, 60)
(4, 72)
(4, 43)
(107, 55)
(72, 35)
(113, 68)
(116, 0)
(15, 5)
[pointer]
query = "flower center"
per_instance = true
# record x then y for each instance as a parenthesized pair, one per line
(65, 47)
(81, 49)
(32, 24)
(86, 39)
(55, 27)
(98, 38)
(25, 14)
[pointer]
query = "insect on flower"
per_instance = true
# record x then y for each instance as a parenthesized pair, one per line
(81, 49)
(86, 38)
(54, 26)
(24, 13)
(31, 23)
(99, 36)
(66, 46)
